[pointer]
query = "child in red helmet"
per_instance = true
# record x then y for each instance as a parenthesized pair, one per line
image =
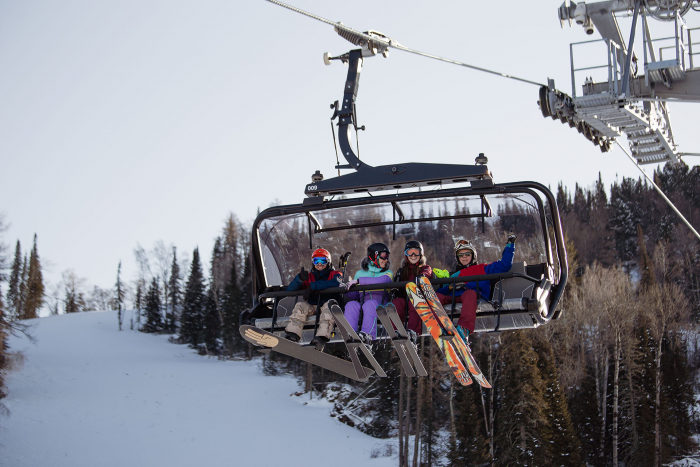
(322, 276)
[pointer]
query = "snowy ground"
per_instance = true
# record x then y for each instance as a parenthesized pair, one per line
(89, 395)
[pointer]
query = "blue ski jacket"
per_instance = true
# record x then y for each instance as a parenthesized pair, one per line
(502, 265)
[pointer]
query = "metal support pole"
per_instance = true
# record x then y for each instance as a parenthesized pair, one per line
(668, 201)
(573, 77)
(274, 314)
(628, 59)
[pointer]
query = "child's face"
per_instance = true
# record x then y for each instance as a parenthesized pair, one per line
(320, 266)
(413, 255)
(465, 256)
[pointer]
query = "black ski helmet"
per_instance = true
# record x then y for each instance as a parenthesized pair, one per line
(373, 252)
(413, 244)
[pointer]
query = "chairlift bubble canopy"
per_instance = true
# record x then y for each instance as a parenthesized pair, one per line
(341, 214)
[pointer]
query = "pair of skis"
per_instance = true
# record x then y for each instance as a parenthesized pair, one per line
(399, 337)
(352, 369)
(443, 330)
(439, 325)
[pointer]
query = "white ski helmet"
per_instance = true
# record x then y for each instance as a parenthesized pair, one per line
(465, 245)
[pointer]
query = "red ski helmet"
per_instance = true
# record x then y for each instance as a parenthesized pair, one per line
(321, 253)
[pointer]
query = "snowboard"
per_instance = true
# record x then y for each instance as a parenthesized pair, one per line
(399, 337)
(433, 326)
(353, 342)
(268, 340)
(432, 299)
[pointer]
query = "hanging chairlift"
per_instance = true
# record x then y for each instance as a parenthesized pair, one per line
(381, 204)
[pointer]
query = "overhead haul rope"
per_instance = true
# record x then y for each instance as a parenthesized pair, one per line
(656, 187)
(396, 45)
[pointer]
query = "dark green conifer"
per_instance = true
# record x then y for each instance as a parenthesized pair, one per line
(13, 293)
(23, 282)
(175, 292)
(119, 296)
(212, 324)
(154, 317)
(564, 442)
(471, 446)
(523, 429)
(192, 320)
(231, 308)
(35, 285)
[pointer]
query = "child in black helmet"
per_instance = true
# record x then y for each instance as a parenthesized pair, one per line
(375, 270)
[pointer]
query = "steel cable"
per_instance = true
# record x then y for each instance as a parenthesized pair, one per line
(396, 45)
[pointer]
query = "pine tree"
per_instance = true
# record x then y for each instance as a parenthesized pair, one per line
(35, 285)
(563, 439)
(23, 288)
(3, 349)
(192, 320)
(138, 302)
(175, 291)
(13, 294)
(231, 308)
(154, 319)
(523, 429)
(471, 446)
(119, 295)
(212, 324)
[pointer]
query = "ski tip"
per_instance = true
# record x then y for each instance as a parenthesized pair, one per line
(464, 378)
(259, 338)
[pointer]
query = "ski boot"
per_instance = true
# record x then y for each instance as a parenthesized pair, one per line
(319, 342)
(366, 340)
(464, 334)
(413, 337)
(290, 336)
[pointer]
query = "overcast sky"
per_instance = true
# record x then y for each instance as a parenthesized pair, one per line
(130, 122)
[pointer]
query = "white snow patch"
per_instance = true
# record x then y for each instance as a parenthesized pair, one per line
(687, 462)
(89, 395)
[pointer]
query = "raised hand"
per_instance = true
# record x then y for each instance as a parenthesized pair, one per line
(303, 275)
(511, 237)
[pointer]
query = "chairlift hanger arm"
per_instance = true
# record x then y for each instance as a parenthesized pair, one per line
(375, 43)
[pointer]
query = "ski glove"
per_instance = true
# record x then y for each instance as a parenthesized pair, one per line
(307, 293)
(511, 237)
(350, 284)
(303, 275)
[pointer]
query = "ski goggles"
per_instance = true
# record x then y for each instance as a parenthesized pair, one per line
(467, 254)
(383, 255)
(417, 255)
(320, 260)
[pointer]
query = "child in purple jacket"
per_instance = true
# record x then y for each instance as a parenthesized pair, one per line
(375, 270)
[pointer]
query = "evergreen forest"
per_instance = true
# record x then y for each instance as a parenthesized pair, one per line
(613, 382)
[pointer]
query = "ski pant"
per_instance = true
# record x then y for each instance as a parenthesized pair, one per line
(302, 310)
(414, 321)
(467, 318)
(369, 316)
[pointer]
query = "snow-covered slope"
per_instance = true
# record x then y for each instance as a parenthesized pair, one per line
(89, 395)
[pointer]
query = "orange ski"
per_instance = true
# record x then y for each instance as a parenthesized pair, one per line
(429, 293)
(428, 317)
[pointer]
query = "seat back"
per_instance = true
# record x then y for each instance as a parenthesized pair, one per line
(515, 287)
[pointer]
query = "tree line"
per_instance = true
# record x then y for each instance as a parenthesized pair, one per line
(612, 382)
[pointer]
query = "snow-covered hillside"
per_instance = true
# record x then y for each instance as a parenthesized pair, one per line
(89, 395)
